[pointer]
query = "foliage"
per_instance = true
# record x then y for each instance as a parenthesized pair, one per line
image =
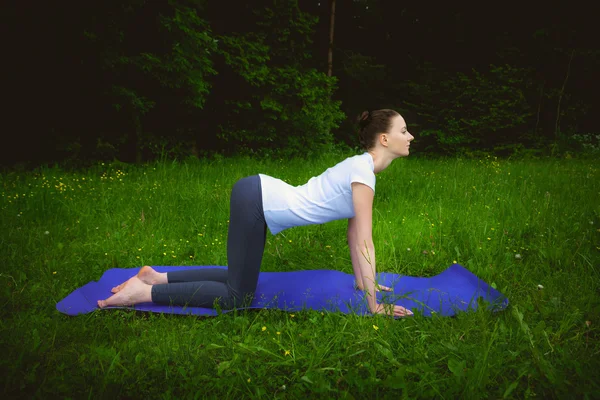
(364, 70)
(180, 60)
(188, 65)
(143, 78)
(476, 109)
(281, 105)
(207, 77)
(296, 114)
(288, 29)
(278, 102)
(590, 143)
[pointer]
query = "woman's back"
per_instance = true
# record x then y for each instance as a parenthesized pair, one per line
(323, 198)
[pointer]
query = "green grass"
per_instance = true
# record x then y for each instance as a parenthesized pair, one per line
(63, 229)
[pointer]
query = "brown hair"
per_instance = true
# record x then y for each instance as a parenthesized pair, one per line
(372, 123)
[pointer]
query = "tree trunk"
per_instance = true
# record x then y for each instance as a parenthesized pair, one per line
(562, 91)
(331, 25)
(537, 121)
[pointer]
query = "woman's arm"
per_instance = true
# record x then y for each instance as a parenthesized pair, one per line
(354, 253)
(362, 250)
(352, 241)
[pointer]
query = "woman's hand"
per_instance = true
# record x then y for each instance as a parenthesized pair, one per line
(392, 310)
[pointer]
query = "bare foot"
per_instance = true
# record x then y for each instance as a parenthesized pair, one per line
(135, 291)
(122, 285)
(146, 275)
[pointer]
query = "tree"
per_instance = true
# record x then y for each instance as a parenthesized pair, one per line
(177, 65)
(269, 99)
(474, 110)
(331, 29)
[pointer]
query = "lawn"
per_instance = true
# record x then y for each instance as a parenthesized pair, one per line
(531, 228)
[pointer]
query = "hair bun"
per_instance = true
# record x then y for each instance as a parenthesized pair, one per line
(363, 119)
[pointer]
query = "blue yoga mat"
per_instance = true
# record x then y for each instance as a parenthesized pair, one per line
(456, 289)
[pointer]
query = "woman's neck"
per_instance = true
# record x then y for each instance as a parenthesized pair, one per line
(380, 160)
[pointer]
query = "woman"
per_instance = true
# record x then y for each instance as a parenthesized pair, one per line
(260, 201)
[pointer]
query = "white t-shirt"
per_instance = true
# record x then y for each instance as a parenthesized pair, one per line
(323, 198)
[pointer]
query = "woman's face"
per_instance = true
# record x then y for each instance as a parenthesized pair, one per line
(399, 138)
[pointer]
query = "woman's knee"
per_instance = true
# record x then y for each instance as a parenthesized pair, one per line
(241, 301)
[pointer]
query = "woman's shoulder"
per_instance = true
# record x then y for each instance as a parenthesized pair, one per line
(357, 159)
(362, 161)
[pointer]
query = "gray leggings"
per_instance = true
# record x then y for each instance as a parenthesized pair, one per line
(234, 286)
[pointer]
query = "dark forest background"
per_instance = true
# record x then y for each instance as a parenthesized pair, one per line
(136, 79)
